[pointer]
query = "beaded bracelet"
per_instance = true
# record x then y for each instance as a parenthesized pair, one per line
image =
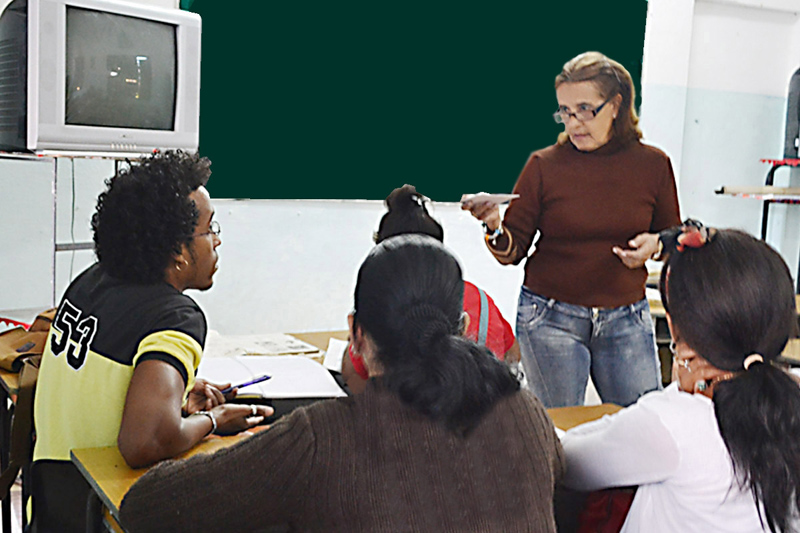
(491, 237)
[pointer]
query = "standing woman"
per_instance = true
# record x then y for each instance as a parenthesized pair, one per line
(598, 198)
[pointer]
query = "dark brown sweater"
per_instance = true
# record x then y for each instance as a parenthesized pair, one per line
(584, 203)
(367, 463)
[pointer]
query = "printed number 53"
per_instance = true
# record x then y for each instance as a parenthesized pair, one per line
(81, 332)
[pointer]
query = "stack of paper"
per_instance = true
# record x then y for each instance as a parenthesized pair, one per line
(291, 376)
(262, 344)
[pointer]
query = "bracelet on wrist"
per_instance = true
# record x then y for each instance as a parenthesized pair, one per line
(491, 236)
(210, 417)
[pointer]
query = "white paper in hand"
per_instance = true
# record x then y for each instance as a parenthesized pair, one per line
(481, 197)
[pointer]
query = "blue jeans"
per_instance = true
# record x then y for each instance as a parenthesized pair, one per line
(562, 344)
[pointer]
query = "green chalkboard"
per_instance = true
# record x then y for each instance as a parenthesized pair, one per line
(321, 99)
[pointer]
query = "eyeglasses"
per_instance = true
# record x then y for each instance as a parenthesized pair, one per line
(213, 229)
(583, 114)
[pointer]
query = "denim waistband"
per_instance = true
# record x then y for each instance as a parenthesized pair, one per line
(580, 311)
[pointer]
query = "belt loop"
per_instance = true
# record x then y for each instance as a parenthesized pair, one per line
(551, 303)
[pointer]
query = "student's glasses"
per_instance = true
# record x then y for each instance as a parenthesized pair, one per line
(213, 229)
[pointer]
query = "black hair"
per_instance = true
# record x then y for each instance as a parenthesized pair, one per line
(728, 299)
(408, 299)
(145, 215)
(407, 214)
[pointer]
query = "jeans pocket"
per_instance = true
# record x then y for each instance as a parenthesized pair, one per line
(642, 318)
(532, 309)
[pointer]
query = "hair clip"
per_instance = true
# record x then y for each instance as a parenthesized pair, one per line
(692, 234)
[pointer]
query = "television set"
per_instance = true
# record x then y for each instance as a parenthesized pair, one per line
(98, 76)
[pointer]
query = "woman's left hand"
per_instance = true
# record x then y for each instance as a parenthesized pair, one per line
(204, 396)
(642, 248)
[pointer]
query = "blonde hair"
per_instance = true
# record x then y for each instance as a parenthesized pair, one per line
(610, 78)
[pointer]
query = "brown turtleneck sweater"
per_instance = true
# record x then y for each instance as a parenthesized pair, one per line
(365, 463)
(584, 203)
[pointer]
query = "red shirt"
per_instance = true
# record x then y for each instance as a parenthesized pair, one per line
(499, 336)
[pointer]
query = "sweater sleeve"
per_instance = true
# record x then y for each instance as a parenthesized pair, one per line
(632, 447)
(666, 212)
(521, 220)
(251, 485)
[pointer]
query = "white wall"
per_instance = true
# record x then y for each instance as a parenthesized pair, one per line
(285, 265)
(27, 214)
(714, 84)
(290, 265)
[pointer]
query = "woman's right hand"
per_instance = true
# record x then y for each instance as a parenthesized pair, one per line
(233, 418)
(486, 212)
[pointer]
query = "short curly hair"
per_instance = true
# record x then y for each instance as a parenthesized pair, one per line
(145, 215)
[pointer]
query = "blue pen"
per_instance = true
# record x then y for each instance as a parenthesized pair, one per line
(253, 381)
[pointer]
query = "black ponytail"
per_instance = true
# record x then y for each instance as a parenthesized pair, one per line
(729, 299)
(409, 298)
(758, 414)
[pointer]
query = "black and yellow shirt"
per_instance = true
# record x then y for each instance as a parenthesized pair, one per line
(105, 327)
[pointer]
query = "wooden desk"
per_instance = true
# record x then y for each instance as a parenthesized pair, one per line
(320, 338)
(568, 417)
(110, 476)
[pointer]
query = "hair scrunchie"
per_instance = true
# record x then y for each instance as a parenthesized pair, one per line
(752, 358)
(691, 234)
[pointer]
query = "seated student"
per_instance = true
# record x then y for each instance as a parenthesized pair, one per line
(719, 449)
(406, 213)
(119, 365)
(419, 450)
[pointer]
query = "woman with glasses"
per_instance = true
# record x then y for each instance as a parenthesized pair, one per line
(597, 199)
(718, 449)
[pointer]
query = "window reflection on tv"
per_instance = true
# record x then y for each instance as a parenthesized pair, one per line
(121, 71)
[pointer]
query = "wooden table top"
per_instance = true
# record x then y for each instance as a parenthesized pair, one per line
(110, 477)
(320, 338)
(568, 417)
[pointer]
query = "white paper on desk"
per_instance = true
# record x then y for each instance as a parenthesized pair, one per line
(334, 354)
(293, 376)
(481, 197)
(261, 344)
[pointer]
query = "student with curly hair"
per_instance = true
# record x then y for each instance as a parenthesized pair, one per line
(122, 352)
(719, 449)
(419, 450)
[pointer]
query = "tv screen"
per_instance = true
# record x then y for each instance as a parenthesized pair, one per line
(120, 71)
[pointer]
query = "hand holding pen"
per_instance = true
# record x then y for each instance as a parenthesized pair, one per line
(253, 381)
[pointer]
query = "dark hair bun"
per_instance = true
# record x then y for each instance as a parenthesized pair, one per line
(405, 198)
(425, 324)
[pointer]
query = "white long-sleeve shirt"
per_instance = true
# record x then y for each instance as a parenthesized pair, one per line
(668, 444)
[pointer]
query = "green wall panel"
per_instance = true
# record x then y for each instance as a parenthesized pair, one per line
(312, 99)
